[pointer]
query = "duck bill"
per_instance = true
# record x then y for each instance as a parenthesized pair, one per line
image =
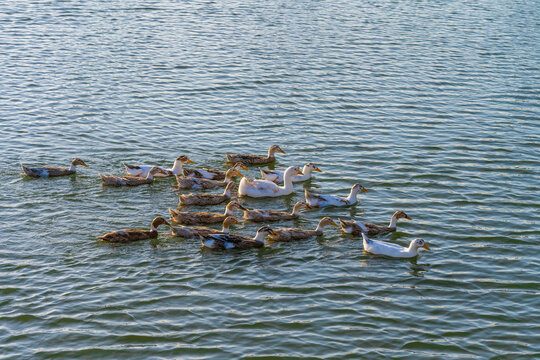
(84, 164)
(426, 247)
(242, 166)
(364, 190)
(281, 151)
(300, 172)
(317, 169)
(408, 218)
(333, 223)
(273, 233)
(189, 161)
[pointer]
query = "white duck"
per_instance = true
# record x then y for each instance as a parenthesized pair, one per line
(393, 250)
(277, 175)
(142, 170)
(315, 200)
(262, 188)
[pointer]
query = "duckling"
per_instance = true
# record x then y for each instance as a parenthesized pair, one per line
(50, 171)
(204, 217)
(261, 188)
(191, 231)
(356, 227)
(142, 170)
(228, 241)
(384, 248)
(277, 176)
(207, 199)
(257, 215)
(189, 182)
(291, 234)
(315, 200)
(111, 180)
(255, 159)
(212, 174)
(129, 235)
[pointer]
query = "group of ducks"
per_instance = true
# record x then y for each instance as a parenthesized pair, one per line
(265, 187)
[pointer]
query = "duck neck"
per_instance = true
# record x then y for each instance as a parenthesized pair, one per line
(393, 222)
(225, 228)
(178, 167)
(228, 177)
(319, 228)
(352, 196)
(73, 167)
(271, 152)
(259, 237)
(228, 191)
(287, 180)
(296, 209)
(412, 249)
(307, 170)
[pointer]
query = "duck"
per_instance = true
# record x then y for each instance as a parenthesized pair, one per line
(189, 182)
(229, 241)
(248, 159)
(261, 188)
(277, 175)
(257, 215)
(51, 171)
(315, 200)
(212, 174)
(130, 235)
(205, 198)
(377, 247)
(143, 170)
(112, 180)
(291, 234)
(191, 231)
(204, 217)
(356, 227)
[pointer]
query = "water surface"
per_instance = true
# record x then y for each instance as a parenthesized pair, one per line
(431, 105)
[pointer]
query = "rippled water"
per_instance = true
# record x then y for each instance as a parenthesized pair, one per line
(431, 105)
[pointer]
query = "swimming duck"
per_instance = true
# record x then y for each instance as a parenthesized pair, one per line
(255, 159)
(212, 174)
(206, 199)
(142, 170)
(261, 188)
(204, 217)
(315, 200)
(111, 180)
(229, 241)
(191, 231)
(356, 227)
(277, 176)
(52, 170)
(257, 215)
(189, 182)
(384, 248)
(129, 235)
(291, 234)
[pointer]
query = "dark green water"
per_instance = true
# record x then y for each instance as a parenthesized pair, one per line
(431, 105)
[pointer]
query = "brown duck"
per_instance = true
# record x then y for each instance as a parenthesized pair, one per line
(257, 215)
(291, 234)
(356, 227)
(111, 180)
(50, 171)
(205, 198)
(229, 241)
(203, 217)
(191, 231)
(248, 159)
(129, 235)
